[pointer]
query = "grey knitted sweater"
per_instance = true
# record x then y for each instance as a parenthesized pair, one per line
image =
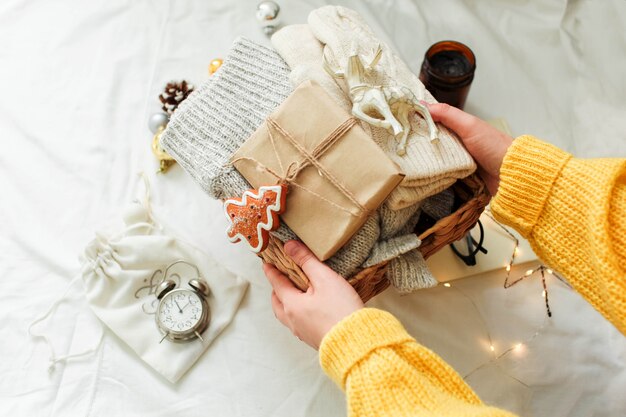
(211, 124)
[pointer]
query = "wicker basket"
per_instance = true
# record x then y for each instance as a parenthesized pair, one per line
(472, 194)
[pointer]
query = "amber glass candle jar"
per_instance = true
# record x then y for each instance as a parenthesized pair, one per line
(448, 71)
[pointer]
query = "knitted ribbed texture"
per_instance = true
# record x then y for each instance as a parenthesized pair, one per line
(439, 205)
(527, 175)
(429, 168)
(573, 212)
(353, 254)
(409, 272)
(391, 248)
(213, 122)
(385, 372)
(297, 45)
(396, 222)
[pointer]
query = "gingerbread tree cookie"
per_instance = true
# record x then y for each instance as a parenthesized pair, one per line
(255, 214)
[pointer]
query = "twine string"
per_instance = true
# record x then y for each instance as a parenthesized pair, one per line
(309, 159)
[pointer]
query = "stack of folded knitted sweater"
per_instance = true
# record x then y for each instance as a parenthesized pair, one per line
(214, 121)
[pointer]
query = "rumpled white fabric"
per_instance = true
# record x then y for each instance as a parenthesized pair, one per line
(119, 272)
(548, 67)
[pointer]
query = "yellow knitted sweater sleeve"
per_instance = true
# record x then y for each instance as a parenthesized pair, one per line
(573, 213)
(386, 373)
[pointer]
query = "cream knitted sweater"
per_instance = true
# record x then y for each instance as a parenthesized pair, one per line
(429, 168)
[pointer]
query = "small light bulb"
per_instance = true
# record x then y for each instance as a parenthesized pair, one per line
(516, 251)
(543, 293)
(529, 272)
(447, 284)
(493, 349)
(508, 268)
(518, 346)
(549, 271)
(214, 65)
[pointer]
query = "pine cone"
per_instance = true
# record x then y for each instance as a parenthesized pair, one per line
(174, 94)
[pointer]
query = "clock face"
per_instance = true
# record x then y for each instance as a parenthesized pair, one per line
(180, 310)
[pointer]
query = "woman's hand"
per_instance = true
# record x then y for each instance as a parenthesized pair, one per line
(311, 314)
(485, 143)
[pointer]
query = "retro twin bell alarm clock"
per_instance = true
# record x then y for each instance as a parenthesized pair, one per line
(183, 313)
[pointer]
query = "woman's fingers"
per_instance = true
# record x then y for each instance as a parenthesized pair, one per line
(305, 259)
(312, 314)
(279, 309)
(280, 283)
(462, 123)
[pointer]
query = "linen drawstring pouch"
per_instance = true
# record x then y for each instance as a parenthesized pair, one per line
(120, 273)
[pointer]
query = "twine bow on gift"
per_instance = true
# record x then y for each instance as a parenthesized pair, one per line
(311, 158)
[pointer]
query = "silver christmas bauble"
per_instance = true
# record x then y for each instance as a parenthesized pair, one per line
(156, 121)
(267, 13)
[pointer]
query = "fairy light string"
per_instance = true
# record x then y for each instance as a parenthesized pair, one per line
(542, 269)
(496, 356)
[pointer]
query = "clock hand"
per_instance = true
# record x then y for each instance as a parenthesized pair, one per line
(180, 310)
(186, 305)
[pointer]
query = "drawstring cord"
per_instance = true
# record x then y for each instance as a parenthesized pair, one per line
(150, 225)
(54, 359)
(146, 196)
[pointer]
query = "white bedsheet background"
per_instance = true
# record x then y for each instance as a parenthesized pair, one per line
(80, 79)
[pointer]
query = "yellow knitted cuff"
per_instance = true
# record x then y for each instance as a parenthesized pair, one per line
(529, 170)
(355, 337)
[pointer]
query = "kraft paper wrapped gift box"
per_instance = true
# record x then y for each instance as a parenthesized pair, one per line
(336, 174)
